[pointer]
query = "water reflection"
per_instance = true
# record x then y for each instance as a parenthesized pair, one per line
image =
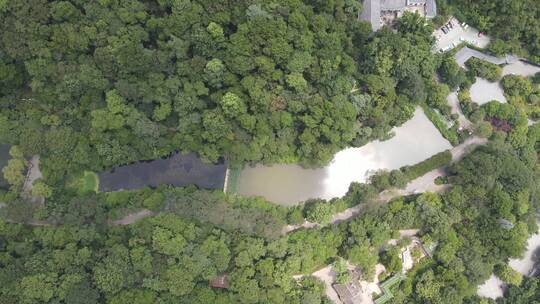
(413, 142)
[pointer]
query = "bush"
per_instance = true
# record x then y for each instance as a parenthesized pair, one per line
(449, 133)
(155, 201)
(508, 275)
(359, 193)
(436, 161)
(391, 259)
(441, 180)
(380, 180)
(451, 73)
(480, 68)
(295, 216)
(319, 211)
(483, 129)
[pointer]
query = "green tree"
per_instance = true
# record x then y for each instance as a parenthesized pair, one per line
(232, 105)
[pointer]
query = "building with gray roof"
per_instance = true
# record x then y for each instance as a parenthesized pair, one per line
(379, 12)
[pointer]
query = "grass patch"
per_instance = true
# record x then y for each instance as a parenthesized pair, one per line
(234, 180)
(89, 182)
(84, 182)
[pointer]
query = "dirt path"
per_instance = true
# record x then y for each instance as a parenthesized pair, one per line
(32, 175)
(133, 217)
(453, 102)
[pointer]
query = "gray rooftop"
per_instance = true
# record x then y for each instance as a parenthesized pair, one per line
(372, 9)
(372, 13)
(431, 9)
(393, 4)
(348, 293)
(178, 170)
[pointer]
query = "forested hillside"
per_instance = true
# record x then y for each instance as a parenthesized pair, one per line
(91, 85)
(111, 82)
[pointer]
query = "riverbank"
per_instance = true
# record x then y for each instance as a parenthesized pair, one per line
(422, 184)
(413, 142)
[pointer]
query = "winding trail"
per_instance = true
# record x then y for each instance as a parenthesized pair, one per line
(32, 175)
(466, 53)
(133, 217)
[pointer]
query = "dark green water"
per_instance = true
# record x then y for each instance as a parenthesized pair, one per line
(4, 157)
(178, 170)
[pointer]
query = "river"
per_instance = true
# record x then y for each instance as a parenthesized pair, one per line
(414, 141)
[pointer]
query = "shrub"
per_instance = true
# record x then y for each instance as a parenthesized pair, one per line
(295, 216)
(449, 133)
(480, 68)
(155, 201)
(508, 275)
(436, 161)
(319, 211)
(441, 180)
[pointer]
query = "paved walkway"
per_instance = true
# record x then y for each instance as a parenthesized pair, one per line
(521, 68)
(453, 102)
(328, 276)
(466, 53)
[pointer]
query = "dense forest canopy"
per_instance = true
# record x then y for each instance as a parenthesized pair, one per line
(111, 82)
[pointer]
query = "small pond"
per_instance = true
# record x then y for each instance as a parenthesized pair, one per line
(483, 91)
(178, 170)
(414, 141)
(4, 157)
